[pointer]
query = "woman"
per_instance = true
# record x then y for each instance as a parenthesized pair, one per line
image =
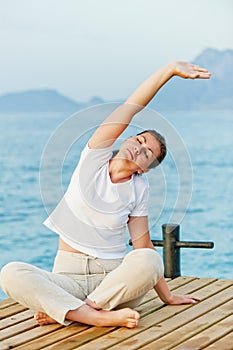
(94, 281)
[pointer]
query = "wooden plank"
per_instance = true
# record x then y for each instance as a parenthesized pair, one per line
(58, 337)
(11, 310)
(225, 343)
(7, 302)
(120, 334)
(173, 284)
(148, 321)
(209, 336)
(52, 338)
(159, 329)
(17, 318)
(23, 337)
(49, 339)
(188, 328)
(17, 329)
(181, 281)
(193, 286)
(76, 341)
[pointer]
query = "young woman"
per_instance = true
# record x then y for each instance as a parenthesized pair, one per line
(94, 281)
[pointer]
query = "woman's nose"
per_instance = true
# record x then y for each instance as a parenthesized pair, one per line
(137, 149)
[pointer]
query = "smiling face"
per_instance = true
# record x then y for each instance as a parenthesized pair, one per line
(140, 151)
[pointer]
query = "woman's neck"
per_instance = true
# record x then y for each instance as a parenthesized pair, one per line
(118, 172)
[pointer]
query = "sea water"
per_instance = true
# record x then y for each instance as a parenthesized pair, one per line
(204, 180)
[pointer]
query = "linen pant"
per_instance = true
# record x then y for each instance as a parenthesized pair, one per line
(75, 277)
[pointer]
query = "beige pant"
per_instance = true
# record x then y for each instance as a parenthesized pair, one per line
(75, 277)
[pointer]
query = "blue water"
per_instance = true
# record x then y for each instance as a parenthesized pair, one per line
(207, 139)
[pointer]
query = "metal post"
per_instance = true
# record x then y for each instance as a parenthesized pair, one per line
(171, 253)
(171, 248)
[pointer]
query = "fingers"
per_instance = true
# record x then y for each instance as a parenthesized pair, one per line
(200, 75)
(192, 71)
(199, 72)
(184, 299)
(198, 68)
(191, 299)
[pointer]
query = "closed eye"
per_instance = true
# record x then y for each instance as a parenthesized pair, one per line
(148, 152)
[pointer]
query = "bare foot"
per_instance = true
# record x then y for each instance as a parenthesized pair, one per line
(102, 318)
(123, 317)
(43, 319)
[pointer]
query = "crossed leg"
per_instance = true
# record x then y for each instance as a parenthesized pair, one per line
(94, 316)
(60, 298)
(119, 286)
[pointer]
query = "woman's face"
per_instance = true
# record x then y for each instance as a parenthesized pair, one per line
(140, 151)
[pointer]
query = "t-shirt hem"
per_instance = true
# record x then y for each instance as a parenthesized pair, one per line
(97, 252)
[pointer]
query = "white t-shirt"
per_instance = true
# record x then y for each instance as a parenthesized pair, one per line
(93, 214)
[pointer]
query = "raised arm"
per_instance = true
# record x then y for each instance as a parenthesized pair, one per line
(118, 121)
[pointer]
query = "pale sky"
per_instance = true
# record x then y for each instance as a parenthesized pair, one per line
(85, 48)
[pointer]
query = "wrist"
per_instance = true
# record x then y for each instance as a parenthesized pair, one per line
(168, 299)
(172, 68)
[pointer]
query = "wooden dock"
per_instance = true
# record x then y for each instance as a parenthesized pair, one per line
(205, 325)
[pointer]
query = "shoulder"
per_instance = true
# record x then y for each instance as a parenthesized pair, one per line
(141, 181)
(141, 186)
(90, 161)
(96, 154)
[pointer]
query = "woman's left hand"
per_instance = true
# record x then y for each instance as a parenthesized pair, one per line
(183, 299)
(188, 70)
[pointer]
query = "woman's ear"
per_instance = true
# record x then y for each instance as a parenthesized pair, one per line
(140, 172)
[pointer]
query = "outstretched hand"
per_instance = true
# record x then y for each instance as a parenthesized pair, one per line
(190, 71)
(183, 299)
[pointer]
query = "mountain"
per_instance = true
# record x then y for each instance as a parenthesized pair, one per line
(216, 93)
(178, 93)
(37, 101)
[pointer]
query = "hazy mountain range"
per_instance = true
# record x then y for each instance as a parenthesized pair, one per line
(216, 93)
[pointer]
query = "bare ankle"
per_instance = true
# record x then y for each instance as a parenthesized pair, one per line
(88, 315)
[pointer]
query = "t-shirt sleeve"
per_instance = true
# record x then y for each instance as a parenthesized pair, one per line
(142, 198)
(90, 161)
(95, 156)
